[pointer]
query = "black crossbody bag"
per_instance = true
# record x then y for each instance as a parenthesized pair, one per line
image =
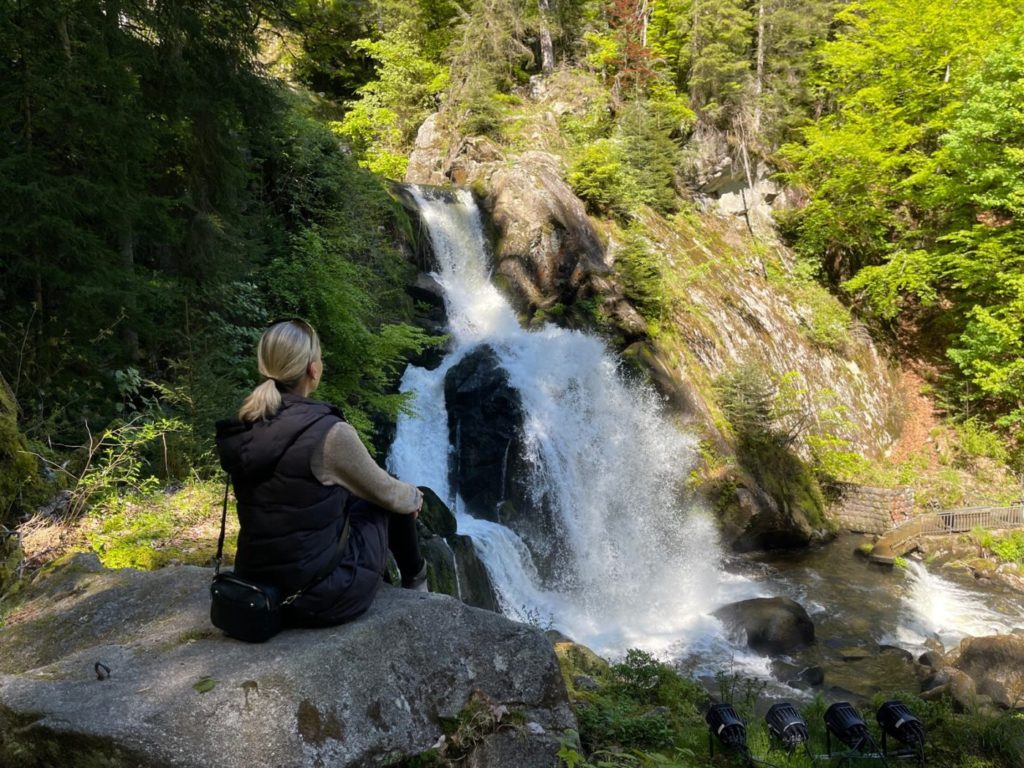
(251, 611)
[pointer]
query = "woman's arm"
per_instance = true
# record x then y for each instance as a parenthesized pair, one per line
(342, 459)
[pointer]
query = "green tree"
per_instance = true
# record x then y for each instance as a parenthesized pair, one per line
(895, 73)
(982, 263)
(382, 124)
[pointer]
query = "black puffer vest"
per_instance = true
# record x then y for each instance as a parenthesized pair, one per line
(289, 522)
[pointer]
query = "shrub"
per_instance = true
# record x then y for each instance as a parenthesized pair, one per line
(641, 269)
(601, 177)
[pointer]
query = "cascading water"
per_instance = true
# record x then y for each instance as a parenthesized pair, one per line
(636, 569)
(936, 608)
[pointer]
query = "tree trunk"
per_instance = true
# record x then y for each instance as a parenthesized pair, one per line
(644, 14)
(759, 76)
(547, 49)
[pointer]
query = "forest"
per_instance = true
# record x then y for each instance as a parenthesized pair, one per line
(174, 175)
(177, 174)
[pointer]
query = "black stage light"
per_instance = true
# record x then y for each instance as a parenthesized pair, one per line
(786, 725)
(897, 721)
(849, 727)
(726, 726)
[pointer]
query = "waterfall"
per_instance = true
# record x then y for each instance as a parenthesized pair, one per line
(937, 608)
(636, 568)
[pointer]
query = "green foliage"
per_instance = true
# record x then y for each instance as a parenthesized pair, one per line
(382, 123)
(719, 66)
(651, 154)
(19, 481)
(966, 740)
(150, 528)
(1009, 548)
(641, 269)
(915, 179)
(767, 418)
(976, 439)
(600, 176)
(124, 459)
(640, 704)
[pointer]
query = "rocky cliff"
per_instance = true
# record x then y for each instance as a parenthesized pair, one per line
(730, 300)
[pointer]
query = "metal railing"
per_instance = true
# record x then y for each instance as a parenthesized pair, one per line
(966, 519)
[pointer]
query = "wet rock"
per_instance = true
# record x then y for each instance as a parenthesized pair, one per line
(484, 424)
(813, 676)
(854, 653)
(773, 625)
(179, 694)
(893, 650)
(795, 677)
(436, 515)
(430, 315)
(584, 683)
(427, 158)
(454, 567)
(475, 587)
(932, 659)
(548, 248)
(996, 664)
(951, 682)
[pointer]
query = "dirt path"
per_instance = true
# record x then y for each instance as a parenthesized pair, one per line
(919, 425)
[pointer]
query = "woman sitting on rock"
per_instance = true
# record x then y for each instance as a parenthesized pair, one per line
(298, 470)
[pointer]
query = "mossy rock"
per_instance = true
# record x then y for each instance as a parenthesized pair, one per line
(575, 660)
(20, 486)
(10, 559)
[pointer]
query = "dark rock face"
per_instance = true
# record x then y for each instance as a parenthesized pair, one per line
(773, 625)
(455, 568)
(484, 423)
(996, 664)
(367, 693)
(474, 587)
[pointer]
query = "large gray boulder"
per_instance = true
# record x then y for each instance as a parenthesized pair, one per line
(178, 693)
(549, 250)
(996, 664)
(773, 625)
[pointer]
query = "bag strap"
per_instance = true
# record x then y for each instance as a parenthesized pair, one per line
(223, 523)
(227, 486)
(339, 552)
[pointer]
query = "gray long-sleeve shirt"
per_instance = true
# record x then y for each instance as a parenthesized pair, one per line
(342, 459)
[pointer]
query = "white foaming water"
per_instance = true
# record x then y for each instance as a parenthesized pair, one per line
(639, 570)
(936, 608)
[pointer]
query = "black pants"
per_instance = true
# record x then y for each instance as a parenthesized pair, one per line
(394, 531)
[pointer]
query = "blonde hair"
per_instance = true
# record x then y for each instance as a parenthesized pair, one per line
(284, 353)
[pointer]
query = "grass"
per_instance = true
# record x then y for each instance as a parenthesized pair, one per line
(137, 530)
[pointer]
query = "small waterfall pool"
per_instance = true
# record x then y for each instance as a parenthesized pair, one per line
(642, 568)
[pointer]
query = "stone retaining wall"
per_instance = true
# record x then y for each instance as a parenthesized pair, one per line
(863, 509)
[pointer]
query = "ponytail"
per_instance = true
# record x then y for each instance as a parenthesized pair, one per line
(284, 353)
(262, 403)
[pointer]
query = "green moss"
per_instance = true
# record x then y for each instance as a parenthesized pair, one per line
(152, 530)
(20, 486)
(205, 684)
(785, 477)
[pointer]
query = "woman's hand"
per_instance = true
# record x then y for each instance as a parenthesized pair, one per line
(419, 504)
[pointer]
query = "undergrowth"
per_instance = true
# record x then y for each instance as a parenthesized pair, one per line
(640, 713)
